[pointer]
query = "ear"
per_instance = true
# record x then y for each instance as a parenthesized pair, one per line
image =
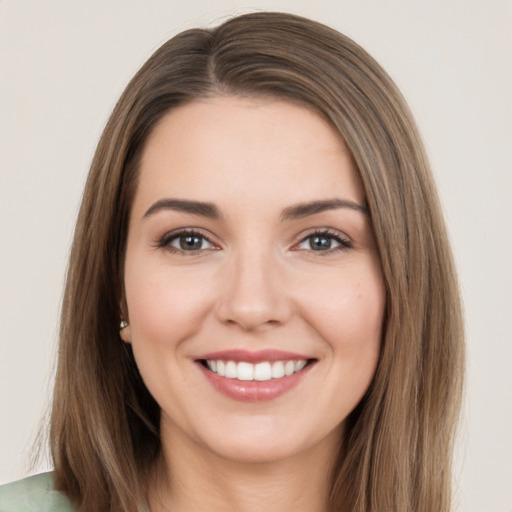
(126, 334)
(124, 325)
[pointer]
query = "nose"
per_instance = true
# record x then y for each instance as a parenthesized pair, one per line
(253, 293)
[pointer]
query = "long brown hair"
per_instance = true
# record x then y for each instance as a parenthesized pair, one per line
(398, 441)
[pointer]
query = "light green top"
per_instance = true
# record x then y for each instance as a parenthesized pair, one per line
(33, 494)
(36, 494)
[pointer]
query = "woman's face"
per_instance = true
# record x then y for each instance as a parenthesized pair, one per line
(253, 285)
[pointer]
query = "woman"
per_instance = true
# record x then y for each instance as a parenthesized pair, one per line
(261, 301)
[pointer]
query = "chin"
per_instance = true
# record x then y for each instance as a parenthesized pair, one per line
(273, 445)
(249, 453)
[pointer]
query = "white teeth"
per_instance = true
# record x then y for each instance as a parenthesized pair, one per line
(262, 371)
(245, 371)
(231, 370)
(259, 372)
(289, 367)
(278, 370)
(299, 365)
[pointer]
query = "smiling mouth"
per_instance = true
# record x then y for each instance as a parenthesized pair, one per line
(260, 372)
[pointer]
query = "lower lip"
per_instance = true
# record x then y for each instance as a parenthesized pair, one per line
(253, 390)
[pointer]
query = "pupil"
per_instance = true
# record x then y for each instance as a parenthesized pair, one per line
(188, 242)
(320, 242)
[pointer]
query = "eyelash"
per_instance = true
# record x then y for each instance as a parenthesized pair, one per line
(168, 238)
(344, 243)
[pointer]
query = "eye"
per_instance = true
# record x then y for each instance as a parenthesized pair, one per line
(324, 241)
(186, 241)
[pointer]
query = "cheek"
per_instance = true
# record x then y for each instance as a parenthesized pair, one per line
(348, 310)
(165, 304)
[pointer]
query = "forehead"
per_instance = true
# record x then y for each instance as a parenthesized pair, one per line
(246, 151)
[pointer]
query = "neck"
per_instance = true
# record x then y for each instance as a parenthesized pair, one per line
(189, 478)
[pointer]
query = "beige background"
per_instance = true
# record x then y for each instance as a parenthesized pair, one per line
(64, 63)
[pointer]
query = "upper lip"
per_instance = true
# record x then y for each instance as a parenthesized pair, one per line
(254, 357)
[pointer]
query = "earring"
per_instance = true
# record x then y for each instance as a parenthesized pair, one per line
(123, 324)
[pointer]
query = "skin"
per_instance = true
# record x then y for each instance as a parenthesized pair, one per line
(255, 283)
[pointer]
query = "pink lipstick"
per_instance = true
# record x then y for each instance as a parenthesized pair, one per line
(254, 376)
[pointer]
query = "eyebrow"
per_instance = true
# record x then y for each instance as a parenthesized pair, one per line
(211, 211)
(184, 205)
(311, 208)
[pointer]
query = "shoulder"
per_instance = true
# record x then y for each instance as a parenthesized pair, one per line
(33, 494)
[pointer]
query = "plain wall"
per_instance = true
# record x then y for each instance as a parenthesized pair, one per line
(62, 67)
